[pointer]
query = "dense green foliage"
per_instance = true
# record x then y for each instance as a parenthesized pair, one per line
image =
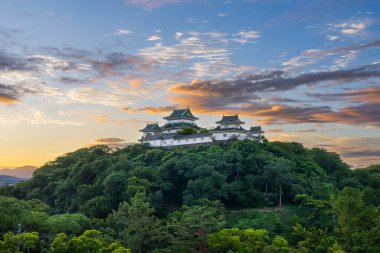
(240, 197)
(187, 131)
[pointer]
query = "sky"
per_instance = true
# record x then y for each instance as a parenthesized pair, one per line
(78, 73)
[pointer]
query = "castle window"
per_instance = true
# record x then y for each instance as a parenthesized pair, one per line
(224, 135)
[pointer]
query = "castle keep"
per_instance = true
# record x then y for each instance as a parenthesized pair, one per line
(173, 132)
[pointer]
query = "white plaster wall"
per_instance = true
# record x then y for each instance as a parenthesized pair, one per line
(229, 126)
(229, 135)
(177, 142)
(171, 131)
(155, 143)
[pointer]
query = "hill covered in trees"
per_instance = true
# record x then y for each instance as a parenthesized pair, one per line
(241, 197)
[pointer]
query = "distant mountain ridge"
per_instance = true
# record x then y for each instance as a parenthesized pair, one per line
(9, 180)
(20, 172)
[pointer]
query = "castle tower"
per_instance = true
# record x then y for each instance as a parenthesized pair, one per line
(230, 122)
(151, 129)
(178, 119)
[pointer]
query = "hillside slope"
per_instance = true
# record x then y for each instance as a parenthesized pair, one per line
(269, 197)
(245, 174)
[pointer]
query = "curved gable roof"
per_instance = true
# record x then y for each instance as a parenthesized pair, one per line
(181, 114)
(230, 120)
(151, 128)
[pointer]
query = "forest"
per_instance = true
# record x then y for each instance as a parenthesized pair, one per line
(243, 197)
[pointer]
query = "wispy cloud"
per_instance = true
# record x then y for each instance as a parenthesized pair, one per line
(347, 53)
(122, 32)
(110, 140)
(33, 116)
(154, 38)
(155, 3)
(151, 109)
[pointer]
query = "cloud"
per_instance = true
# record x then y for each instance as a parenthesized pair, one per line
(151, 110)
(348, 53)
(8, 94)
(33, 116)
(249, 34)
(349, 31)
(362, 153)
(306, 131)
(369, 95)
(276, 80)
(358, 151)
(122, 32)
(155, 3)
(14, 63)
(100, 118)
(204, 54)
(244, 95)
(332, 38)
(118, 63)
(349, 28)
(102, 96)
(110, 140)
(154, 38)
(70, 80)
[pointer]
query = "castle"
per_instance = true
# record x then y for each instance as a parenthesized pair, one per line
(173, 132)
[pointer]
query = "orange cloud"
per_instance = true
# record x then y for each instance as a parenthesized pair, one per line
(135, 82)
(150, 109)
(110, 140)
(100, 118)
(7, 100)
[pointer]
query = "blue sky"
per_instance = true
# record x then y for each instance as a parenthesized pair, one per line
(78, 73)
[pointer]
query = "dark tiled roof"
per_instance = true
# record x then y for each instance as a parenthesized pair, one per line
(218, 129)
(255, 129)
(151, 128)
(230, 119)
(181, 114)
(179, 126)
(192, 136)
(154, 137)
(169, 136)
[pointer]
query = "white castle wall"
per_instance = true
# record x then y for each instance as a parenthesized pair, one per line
(223, 136)
(178, 142)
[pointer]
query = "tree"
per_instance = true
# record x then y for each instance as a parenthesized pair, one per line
(136, 224)
(239, 241)
(59, 244)
(68, 223)
(358, 223)
(316, 240)
(187, 131)
(89, 242)
(115, 248)
(247, 241)
(22, 242)
(277, 173)
(191, 226)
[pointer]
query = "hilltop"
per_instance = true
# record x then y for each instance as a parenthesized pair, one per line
(241, 185)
